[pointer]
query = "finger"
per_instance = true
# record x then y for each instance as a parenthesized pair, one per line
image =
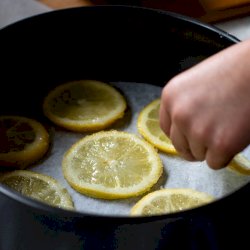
(198, 149)
(180, 143)
(165, 121)
(217, 160)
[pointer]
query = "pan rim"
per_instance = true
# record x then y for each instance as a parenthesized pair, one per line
(63, 213)
(66, 213)
(136, 8)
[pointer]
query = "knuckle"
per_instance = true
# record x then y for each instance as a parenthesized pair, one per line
(199, 133)
(222, 145)
(171, 90)
(181, 114)
(167, 92)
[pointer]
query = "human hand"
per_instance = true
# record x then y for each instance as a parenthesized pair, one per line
(206, 110)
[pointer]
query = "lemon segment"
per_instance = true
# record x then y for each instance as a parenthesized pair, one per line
(39, 187)
(149, 127)
(240, 164)
(85, 105)
(111, 165)
(166, 201)
(23, 141)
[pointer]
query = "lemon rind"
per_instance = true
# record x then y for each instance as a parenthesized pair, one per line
(33, 151)
(143, 130)
(136, 210)
(66, 200)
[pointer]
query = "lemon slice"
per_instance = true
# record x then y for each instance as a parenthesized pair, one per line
(38, 186)
(149, 127)
(112, 165)
(170, 201)
(240, 164)
(23, 141)
(85, 105)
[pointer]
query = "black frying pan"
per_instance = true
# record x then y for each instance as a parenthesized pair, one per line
(112, 44)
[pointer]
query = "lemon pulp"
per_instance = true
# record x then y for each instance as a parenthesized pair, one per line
(85, 105)
(169, 201)
(38, 186)
(112, 165)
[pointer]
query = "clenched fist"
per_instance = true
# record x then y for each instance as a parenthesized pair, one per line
(206, 110)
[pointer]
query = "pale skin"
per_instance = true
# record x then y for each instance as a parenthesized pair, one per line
(205, 110)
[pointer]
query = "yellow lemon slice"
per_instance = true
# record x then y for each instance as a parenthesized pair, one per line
(23, 141)
(240, 164)
(149, 127)
(112, 165)
(169, 201)
(85, 105)
(38, 186)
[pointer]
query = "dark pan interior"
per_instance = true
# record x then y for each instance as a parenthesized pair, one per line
(109, 43)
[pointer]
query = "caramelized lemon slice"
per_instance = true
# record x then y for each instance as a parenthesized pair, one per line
(149, 127)
(112, 165)
(169, 201)
(84, 105)
(23, 141)
(38, 186)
